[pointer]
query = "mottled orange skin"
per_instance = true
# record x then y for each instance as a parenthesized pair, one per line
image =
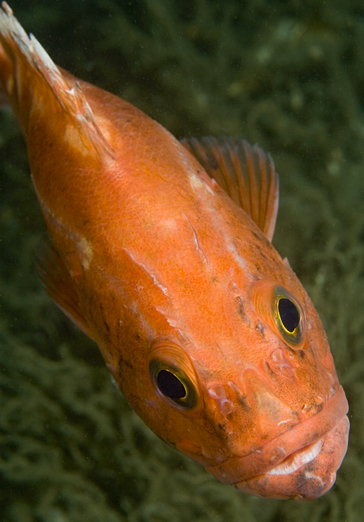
(154, 250)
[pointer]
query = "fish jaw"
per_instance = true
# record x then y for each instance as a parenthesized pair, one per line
(307, 473)
(300, 464)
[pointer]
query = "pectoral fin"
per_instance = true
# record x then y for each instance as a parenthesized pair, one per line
(58, 283)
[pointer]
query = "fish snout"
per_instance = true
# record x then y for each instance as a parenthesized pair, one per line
(307, 473)
(301, 463)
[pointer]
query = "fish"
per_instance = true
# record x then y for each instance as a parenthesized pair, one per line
(160, 250)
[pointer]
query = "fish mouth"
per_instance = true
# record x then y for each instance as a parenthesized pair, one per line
(307, 473)
(301, 463)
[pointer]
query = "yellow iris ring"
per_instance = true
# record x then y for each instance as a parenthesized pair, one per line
(188, 401)
(170, 357)
(295, 336)
(266, 296)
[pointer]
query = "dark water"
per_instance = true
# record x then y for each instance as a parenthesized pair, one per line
(287, 74)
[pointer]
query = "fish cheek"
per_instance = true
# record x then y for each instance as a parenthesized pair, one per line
(211, 435)
(197, 434)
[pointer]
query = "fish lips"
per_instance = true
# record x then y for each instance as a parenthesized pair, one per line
(300, 463)
(307, 473)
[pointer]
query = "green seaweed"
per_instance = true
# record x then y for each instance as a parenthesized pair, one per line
(287, 74)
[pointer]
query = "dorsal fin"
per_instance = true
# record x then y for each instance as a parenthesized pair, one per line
(58, 283)
(29, 75)
(246, 174)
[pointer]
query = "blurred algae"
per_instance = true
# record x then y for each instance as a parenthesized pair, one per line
(289, 75)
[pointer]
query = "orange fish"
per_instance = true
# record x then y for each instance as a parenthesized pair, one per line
(161, 252)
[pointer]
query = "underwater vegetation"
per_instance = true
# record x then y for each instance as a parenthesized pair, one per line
(289, 75)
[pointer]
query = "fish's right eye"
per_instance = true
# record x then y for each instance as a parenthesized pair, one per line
(173, 384)
(170, 385)
(173, 376)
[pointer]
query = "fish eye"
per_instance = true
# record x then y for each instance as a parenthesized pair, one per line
(281, 311)
(172, 384)
(288, 314)
(173, 376)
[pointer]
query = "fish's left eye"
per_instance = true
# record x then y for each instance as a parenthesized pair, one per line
(288, 317)
(173, 376)
(288, 314)
(281, 311)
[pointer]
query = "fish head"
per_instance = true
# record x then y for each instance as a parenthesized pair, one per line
(262, 410)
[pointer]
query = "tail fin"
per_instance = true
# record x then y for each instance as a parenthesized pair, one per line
(33, 82)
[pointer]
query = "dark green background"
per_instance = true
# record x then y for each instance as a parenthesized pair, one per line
(286, 74)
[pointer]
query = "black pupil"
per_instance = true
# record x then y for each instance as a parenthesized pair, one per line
(170, 385)
(289, 314)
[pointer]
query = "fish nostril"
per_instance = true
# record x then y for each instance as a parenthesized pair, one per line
(218, 393)
(279, 363)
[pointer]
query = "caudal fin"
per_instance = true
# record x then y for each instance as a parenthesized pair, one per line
(33, 83)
